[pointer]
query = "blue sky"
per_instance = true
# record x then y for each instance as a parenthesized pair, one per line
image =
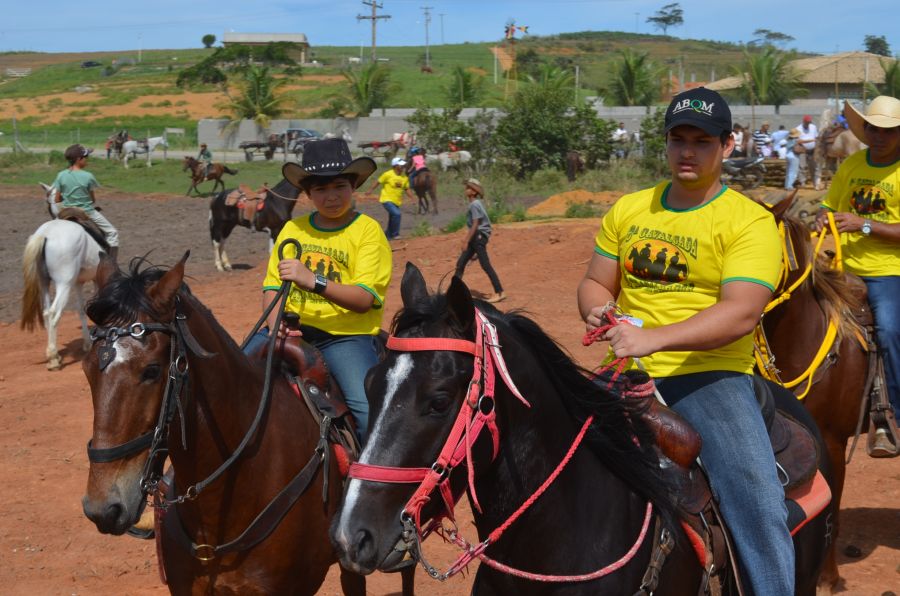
(91, 25)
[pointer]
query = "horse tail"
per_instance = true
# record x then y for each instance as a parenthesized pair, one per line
(229, 170)
(33, 271)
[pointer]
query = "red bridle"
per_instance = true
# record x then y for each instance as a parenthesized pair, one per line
(476, 414)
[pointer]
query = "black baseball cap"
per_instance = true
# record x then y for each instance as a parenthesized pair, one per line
(700, 107)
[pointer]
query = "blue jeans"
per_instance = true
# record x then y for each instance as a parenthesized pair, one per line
(737, 455)
(393, 227)
(349, 358)
(884, 298)
(792, 169)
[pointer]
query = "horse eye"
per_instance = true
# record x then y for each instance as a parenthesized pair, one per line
(151, 373)
(440, 404)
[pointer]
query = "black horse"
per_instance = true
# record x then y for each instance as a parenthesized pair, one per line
(434, 383)
(276, 211)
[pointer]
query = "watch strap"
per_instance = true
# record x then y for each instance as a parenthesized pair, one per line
(321, 284)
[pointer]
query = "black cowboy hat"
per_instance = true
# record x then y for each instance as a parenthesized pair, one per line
(329, 157)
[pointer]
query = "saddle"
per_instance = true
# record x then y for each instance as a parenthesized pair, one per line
(247, 201)
(796, 455)
(76, 215)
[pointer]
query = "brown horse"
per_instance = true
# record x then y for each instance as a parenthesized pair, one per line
(796, 329)
(198, 173)
(425, 185)
(165, 376)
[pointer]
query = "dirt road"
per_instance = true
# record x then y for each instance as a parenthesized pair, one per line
(47, 546)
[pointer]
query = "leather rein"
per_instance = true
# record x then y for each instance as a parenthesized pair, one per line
(476, 414)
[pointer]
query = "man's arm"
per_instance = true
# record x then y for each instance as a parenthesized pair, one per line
(735, 315)
(852, 223)
(599, 286)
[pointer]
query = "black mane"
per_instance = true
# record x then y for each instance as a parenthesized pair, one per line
(617, 421)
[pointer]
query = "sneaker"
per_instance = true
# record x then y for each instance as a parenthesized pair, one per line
(494, 298)
(882, 446)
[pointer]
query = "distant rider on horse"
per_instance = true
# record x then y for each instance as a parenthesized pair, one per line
(205, 158)
(416, 163)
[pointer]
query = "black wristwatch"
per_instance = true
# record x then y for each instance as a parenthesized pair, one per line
(321, 283)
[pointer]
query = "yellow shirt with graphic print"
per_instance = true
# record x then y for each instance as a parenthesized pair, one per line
(673, 263)
(357, 254)
(392, 187)
(872, 192)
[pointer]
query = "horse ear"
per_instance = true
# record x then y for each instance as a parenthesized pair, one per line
(412, 286)
(460, 306)
(105, 270)
(162, 293)
(780, 209)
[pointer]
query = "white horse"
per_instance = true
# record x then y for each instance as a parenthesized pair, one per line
(451, 159)
(132, 148)
(60, 253)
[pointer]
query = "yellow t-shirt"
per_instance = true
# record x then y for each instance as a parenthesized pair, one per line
(392, 187)
(357, 254)
(673, 264)
(872, 192)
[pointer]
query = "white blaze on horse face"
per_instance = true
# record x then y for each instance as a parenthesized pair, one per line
(377, 441)
(125, 350)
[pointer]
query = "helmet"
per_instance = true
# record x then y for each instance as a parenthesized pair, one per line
(413, 150)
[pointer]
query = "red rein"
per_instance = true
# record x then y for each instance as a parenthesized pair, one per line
(476, 414)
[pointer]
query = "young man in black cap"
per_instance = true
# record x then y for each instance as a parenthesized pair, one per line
(75, 188)
(341, 278)
(694, 264)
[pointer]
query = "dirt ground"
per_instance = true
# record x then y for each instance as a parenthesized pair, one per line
(47, 546)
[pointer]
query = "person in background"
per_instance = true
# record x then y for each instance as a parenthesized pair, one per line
(205, 157)
(779, 141)
(694, 320)
(792, 168)
(476, 240)
(865, 199)
(762, 141)
(341, 278)
(740, 141)
(75, 188)
(620, 141)
(394, 184)
(807, 141)
(417, 163)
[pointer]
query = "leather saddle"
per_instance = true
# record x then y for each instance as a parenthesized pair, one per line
(247, 201)
(76, 215)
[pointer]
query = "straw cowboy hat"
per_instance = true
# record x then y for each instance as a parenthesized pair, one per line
(328, 157)
(883, 112)
(476, 186)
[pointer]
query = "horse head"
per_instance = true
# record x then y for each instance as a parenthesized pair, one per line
(50, 198)
(127, 368)
(188, 163)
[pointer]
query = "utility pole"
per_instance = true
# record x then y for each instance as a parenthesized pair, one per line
(427, 10)
(374, 18)
(442, 27)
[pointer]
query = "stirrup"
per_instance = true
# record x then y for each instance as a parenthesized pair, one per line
(883, 438)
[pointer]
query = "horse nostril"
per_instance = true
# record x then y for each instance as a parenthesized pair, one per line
(112, 512)
(364, 546)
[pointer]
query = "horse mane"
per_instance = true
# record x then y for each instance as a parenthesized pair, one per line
(831, 288)
(618, 431)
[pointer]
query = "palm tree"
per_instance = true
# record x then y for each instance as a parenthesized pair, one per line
(367, 89)
(552, 77)
(768, 78)
(258, 99)
(634, 80)
(465, 87)
(891, 85)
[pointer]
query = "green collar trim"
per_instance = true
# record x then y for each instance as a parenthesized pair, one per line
(666, 206)
(312, 222)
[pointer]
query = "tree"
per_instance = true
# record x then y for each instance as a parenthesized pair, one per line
(669, 15)
(634, 81)
(367, 89)
(877, 44)
(550, 76)
(465, 87)
(768, 78)
(208, 40)
(533, 133)
(258, 99)
(768, 37)
(891, 85)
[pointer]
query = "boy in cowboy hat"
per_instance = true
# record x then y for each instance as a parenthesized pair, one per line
(341, 278)
(475, 242)
(695, 317)
(75, 188)
(865, 199)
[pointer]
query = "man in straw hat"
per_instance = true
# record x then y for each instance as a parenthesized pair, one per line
(865, 199)
(341, 279)
(694, 264)
(476, 240)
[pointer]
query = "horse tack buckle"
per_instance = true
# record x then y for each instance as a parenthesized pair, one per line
(204, 552)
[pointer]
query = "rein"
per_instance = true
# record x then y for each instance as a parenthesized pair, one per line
(477, 412)
(765, 359)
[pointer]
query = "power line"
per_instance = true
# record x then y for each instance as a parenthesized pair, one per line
(374, 18)
(427, 10)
